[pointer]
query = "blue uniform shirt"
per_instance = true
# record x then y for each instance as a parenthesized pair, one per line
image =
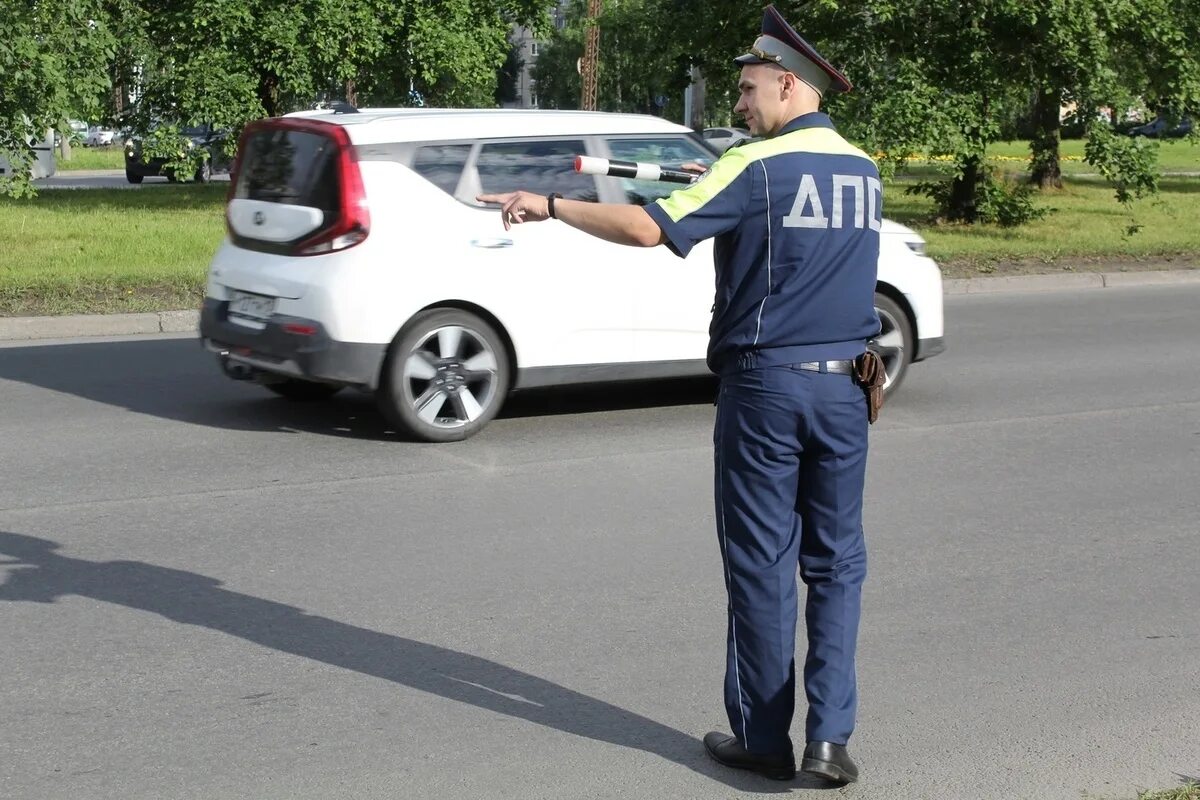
(796, 219)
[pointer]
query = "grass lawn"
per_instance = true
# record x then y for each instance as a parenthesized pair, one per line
(1174, 155)
(1012, 158)
(1087, 229)
(108, 250)
(110, 157)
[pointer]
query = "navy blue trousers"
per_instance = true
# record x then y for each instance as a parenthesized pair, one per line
(790, 461)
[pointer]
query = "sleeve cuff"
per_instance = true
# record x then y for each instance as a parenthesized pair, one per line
(677, 240)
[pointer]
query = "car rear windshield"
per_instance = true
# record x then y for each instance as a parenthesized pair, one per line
(293, 167)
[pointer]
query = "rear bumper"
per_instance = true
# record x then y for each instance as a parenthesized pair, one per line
(930, 347)
(279, 350)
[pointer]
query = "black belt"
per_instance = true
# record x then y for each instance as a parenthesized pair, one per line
(840, 367)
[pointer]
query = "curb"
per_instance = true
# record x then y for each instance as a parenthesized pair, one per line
(1069, 280)
(70, 327)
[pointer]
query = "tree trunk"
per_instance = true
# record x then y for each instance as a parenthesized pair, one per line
(961, 206)
(696, 123)
(268, 93)
(351, 92)
(1046, 171)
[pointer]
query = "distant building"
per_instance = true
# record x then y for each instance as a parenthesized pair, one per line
(527, 51)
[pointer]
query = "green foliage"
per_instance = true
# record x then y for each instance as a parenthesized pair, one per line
(167, 142)
(52, 67)
(996, 200)
(151, 66)
(947, 78)
(1007, 204)
(1130, 164)
(933, 78)
(637, 65)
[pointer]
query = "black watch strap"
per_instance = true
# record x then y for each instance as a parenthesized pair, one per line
(550, 204)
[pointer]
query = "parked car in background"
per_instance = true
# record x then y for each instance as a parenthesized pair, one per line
(77, 131)
(98, 136)
(1163, 128)
(357, 256)
(204, 138)
(43, 164)
(721, 139)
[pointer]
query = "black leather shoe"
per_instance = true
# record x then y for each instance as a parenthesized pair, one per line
(725, 749)
(829, 761)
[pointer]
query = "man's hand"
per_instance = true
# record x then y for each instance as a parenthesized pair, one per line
(518, 207)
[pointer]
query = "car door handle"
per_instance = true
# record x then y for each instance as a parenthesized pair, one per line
(492, 244)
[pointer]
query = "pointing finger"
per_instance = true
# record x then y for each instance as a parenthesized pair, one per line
(494, 198)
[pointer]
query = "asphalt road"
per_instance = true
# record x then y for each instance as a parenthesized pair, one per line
(206, 592)
(105, 179)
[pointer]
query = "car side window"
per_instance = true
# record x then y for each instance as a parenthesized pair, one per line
(666, 151)
(441, 164)
(540, 167)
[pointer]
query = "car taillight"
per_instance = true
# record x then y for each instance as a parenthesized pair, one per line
(354, 219)
(235, 169)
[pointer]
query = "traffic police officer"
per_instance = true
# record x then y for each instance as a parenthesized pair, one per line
(796, 216)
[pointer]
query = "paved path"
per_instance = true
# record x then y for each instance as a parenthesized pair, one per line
(104, 179)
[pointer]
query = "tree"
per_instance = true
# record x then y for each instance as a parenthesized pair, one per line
(510, 73)
(227, 62)
(1101, 55)
(53, 66)
(447, 52)
(940, 77)
(638, 65)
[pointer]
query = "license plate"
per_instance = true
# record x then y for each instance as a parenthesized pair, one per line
(252, 306)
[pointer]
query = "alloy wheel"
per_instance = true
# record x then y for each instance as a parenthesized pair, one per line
(450, 377)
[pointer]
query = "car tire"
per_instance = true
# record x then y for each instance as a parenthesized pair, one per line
(894, 344)
(446, 376)
(133, 177)
(204, 173)
(302, 391)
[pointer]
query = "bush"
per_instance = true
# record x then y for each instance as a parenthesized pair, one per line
(997, 201)
(1129, 164)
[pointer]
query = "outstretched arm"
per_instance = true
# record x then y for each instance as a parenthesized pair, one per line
(622, 224)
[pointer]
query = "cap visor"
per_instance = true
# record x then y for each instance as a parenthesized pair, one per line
(750, 58)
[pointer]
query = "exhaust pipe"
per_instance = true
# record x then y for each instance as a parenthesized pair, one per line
(239, 372)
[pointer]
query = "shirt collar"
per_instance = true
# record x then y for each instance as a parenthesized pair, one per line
(813, 119)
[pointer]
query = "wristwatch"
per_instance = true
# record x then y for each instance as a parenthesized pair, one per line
(550, 203)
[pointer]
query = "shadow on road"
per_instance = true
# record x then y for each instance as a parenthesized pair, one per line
(38, 574)
(176, 379)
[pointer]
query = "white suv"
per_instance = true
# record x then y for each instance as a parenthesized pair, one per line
(357, 256)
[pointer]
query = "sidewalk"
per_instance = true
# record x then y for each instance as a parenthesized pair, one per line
(67, 327)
